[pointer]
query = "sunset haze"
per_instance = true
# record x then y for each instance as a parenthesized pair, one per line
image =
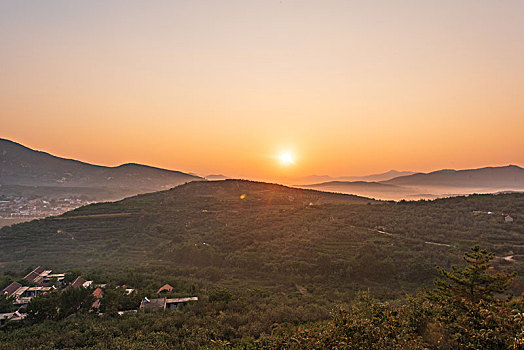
(225, 87)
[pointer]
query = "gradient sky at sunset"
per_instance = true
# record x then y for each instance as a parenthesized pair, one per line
(347, 87)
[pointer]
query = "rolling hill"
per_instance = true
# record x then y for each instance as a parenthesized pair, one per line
(262, 258)
(243, 234)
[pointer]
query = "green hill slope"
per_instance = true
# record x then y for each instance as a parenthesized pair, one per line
(241, 233)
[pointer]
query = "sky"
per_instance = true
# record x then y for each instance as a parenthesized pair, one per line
(345, 87)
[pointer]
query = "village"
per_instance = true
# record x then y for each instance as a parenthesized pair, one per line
(41, 281)
(26, 207)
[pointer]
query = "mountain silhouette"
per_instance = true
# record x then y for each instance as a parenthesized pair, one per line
(22, 166)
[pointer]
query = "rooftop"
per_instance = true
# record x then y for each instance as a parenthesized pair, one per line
(153, 304)
(11, 289)
(181, 300)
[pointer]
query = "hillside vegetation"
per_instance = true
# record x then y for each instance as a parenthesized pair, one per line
(269, 264)
(235, 232)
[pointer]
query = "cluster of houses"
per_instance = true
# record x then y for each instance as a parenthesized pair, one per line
(14, 206)
(43, 281)
(40, 281)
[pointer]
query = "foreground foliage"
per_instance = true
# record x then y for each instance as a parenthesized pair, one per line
(467, 309)
(270, 263)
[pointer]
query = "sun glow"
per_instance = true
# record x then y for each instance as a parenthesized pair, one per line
(286, 158)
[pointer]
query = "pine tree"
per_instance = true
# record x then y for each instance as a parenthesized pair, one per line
(475, 283)
(469, 305)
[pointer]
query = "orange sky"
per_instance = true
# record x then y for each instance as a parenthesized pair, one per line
(349, 87)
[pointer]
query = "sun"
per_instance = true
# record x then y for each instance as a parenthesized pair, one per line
(286, 158)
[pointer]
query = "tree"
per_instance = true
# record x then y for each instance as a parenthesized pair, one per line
(472, 284)
(6, 303)
(58, 305)
(5, 280)
(71, 276)
(73, 300)
(117, 299)
(43, 307)
(470, 309)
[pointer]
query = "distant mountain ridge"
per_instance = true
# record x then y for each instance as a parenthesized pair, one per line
(503, 177)
(20, 165)
(373, 177)
(215, 177)
(434, 184)
(384, 176)
(379, 186)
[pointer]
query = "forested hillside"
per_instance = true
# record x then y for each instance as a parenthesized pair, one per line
(262, 258)
(232, 231)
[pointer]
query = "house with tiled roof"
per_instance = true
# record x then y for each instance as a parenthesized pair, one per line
(177, 303)
(165, 288)
(34, 275)
(162, 304)
(149, 305)
(11, 316)
(98, 293)
(24, 294)
(11, 289)
(78, 282)
(43, 277)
